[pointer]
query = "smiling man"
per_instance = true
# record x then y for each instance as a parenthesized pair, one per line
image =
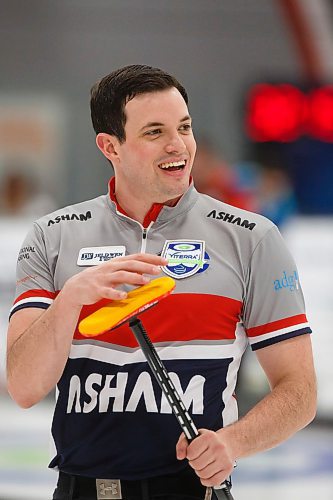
(153, 157)
(114, 433)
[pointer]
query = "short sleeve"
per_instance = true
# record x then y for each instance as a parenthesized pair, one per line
(34, 285)
(274, 308)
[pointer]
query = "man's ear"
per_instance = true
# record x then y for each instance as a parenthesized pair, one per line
(108, 144)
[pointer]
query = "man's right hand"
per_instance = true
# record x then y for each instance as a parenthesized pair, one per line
(39, 342)
(101, 282)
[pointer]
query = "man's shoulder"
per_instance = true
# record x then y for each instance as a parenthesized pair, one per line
(229, 215)
(81, 212)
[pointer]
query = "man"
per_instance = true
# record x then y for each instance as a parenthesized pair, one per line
(236, 284)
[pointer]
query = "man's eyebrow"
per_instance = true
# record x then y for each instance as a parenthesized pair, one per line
(159, 124)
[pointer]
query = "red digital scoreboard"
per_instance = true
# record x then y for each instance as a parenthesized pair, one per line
(284, 113)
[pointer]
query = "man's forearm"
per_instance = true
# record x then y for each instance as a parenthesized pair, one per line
(37, 357)
(37, 354)
(284, 411)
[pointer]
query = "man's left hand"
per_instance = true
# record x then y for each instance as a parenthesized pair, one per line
(208, 455)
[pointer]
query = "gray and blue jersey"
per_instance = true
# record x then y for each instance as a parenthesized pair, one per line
(236, 284)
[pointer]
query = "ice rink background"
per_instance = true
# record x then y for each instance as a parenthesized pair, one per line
(293, 471)
(51, 53)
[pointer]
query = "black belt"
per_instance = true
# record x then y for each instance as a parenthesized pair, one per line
(184, 483)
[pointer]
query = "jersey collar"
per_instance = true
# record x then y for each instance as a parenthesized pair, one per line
(152, 213)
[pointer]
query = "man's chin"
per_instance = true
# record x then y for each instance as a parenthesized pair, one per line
(173, 197)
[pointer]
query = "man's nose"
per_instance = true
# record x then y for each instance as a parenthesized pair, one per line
(175, 144)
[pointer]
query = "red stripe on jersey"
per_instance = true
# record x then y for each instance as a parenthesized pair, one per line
(179, 317)
(36, 293)
(276, 325)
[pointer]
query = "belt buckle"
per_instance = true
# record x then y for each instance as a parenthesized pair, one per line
(108, 489)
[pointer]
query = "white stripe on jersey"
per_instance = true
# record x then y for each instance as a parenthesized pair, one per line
(275, 333)
(118, 355)
(43, 300)
(230, 412)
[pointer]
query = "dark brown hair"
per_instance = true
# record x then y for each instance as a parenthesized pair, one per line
(110, 95)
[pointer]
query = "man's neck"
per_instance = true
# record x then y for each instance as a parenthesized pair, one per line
(138, 209)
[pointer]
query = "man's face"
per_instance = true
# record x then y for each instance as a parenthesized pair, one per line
(156, 158)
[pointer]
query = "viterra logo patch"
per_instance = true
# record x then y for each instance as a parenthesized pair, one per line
(185, 258)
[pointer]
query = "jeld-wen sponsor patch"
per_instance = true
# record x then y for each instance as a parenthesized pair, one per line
(93, 256)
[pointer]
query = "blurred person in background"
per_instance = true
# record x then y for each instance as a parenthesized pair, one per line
(212, 175)
(21, 194)
(269, 174)
(112, 428)
(276, 199)
(264, 188)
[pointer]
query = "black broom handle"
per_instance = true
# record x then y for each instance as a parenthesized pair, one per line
(157, 367)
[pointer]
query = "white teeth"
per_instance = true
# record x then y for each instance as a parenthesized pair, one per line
(173, 164)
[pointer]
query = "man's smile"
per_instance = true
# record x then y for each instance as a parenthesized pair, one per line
(173, 165)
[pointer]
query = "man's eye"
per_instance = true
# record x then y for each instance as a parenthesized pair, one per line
(186, 127)
(156, 131)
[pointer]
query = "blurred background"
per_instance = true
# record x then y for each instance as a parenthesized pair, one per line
(259, 75)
